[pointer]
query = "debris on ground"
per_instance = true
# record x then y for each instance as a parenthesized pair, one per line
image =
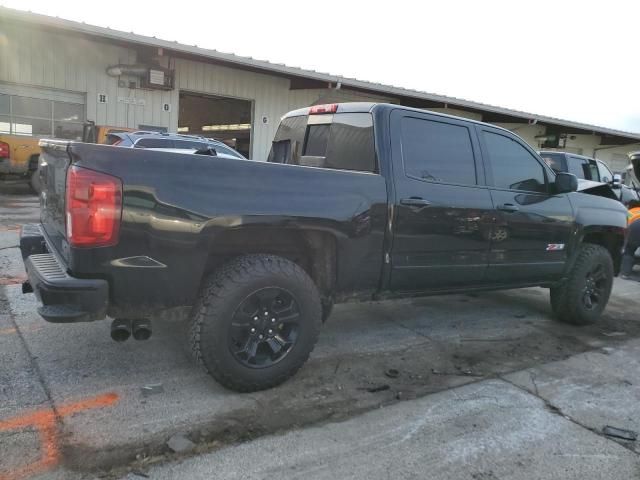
(392, 373)
(614, 334)
(178, 443)
(152, 389)
(377, 388)
(610, 431)
(460, 372)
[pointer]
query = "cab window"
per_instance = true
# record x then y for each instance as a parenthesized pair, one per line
(512, 165)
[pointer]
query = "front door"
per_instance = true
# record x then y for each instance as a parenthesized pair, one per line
(442, 207)
(532, 226)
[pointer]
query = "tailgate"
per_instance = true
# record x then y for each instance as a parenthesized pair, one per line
(54, 162)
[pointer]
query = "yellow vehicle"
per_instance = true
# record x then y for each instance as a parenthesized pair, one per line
(93, 133)
(19, 156)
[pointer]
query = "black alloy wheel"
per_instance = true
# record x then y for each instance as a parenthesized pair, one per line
(264, 327)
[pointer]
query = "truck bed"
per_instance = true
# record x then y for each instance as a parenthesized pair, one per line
(180, 211)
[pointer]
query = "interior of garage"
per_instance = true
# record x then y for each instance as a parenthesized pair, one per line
(223, 118)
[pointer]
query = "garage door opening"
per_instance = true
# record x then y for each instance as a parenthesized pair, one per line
(223, 118)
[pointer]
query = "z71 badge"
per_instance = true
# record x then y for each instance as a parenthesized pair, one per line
(552, 247)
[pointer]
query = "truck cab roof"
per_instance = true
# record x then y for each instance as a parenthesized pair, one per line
(370, 107)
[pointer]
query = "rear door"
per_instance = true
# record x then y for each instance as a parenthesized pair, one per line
(532, 226)
(442, 207)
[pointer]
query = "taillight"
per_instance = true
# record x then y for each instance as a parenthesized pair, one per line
(329, 108)
(93, 208)
(4, 150)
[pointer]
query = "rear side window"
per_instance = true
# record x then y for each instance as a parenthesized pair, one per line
(112, 139)
(555, 161)
(344, 142)
(154, 143)
(579, 167)
(189, 145)
(437, 151)
(513, 167)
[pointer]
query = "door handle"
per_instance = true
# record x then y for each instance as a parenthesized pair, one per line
(415, 202)
(508, 207)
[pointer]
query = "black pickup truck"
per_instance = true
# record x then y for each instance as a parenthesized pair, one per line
(357, 201)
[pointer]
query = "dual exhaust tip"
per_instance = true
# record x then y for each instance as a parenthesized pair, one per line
(122, 329)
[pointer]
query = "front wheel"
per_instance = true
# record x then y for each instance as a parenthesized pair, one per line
(582, 297)
(255, 322)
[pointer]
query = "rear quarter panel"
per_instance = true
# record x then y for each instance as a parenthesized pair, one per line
(176, 205)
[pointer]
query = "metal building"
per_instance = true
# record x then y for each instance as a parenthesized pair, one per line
(55, 74)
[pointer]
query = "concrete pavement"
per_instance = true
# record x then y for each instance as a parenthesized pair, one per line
(486, 430)
(86, 393)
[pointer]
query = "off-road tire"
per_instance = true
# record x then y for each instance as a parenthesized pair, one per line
(220, 296)
(567, 298)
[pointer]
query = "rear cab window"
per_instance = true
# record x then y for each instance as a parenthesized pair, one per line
(342, 141)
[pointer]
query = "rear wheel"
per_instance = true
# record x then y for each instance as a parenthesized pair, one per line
(581, 299)
(255, 322)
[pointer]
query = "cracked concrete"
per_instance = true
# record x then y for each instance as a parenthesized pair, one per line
(438, 345)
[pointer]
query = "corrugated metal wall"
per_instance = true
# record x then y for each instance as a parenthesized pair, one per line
(55, 61)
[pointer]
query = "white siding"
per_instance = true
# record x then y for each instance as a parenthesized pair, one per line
(59, 64)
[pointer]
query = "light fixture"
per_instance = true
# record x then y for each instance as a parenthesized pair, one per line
(233, 126)
(183, 129)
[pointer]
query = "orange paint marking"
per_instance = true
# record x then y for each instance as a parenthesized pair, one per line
(13, 280)
(12, 330)
(44, 421)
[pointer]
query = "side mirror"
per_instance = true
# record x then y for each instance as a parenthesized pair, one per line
(617, 180)
(566, 182)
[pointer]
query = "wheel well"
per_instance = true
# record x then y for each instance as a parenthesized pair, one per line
(33, 162)
(611, 241)
(314, 251)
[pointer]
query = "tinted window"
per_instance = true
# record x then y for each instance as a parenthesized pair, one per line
(351, 145)
(436, 151)
(154, 143)
(317, 140)
(555, 161)
(512, 165)
(579, 167)
(345, 144)
(190, 145)
(288, 140)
